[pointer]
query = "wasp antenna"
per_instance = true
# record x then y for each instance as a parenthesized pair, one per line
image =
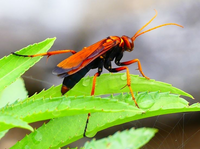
(158, 27)
(134, 37)
(138, 32)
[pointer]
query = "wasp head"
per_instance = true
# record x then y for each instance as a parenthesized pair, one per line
(128, 43)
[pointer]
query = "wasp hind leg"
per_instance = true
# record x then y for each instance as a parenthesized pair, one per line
(48, 54)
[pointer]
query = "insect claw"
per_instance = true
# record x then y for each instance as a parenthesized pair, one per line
(147, 78)
(137, 105)
(47, 58)
(124, 86)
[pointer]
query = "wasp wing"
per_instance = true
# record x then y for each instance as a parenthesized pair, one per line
(82, 58)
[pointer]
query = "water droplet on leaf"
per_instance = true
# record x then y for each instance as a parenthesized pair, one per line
(145, 101)
(27, 147)
(56, 112)
(37, 137)
(86, 81)
(124, 76)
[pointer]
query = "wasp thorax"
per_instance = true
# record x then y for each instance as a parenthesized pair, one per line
(128, 43)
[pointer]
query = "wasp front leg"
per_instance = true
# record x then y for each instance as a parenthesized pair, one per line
(108, 66)
(128, 79)
(118, 63)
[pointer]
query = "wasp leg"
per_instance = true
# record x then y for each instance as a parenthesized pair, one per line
(128, 80)
(131, 62)
(48, 54)
(100, 68)
(118, 57)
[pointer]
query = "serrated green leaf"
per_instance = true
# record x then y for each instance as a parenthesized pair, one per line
(18, 92)
(42, 109)
(128, 139)
(45, 137)
(54, 91)
(12, 67)
(64, 130)
(7, 121)
(113, 83)
(163, 103)
(139, 84)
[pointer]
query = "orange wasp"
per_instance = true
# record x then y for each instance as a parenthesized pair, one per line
(98, 55)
